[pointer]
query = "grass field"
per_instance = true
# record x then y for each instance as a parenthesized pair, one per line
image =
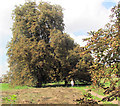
(6, 86)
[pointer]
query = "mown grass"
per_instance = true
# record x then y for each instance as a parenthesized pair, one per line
(82, 88)
(6, 86)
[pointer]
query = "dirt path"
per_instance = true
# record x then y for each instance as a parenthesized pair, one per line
(49, 95)
(100, 96)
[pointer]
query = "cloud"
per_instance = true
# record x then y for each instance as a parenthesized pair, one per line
(3, 68)
(3, 61)
(84, 15)
(78, 14)
(6, 8)
(79, 39)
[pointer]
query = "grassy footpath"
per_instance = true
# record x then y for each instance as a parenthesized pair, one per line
(94, 97)
(98, 90)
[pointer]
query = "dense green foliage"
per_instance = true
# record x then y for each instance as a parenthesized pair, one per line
(40, 51)
(29, 51)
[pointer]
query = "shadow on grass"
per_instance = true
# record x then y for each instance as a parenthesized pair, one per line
(63, 85)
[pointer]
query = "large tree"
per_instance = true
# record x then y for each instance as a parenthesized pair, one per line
(29, 49)
(39, 51)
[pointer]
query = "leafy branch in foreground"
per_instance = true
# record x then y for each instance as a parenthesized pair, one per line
(104, 46)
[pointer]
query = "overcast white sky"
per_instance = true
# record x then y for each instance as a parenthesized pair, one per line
(80, 17)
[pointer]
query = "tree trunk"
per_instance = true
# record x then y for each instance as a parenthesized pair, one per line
(39, 79)
(39, 83)
(66, 82)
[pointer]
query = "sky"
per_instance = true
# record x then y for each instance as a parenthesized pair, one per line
(80, 17)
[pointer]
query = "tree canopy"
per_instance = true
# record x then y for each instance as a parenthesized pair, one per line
(29, 50)
(40, 51)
